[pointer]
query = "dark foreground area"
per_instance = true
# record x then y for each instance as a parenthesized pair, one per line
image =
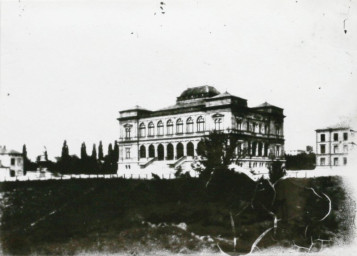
(182, 215)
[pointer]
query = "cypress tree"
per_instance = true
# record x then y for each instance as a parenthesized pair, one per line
(65, 151)
(110, 152)
(100, 151)
(116, 152)
(94, 152)
(24, 151)
(83, 151)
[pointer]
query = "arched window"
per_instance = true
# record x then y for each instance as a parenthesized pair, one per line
(266, 129)
(218, 124)
(151, 129)
(200, 124)
(170, 127)
(160, 128)
(142, 151)
(260, 128)
(179, 126)
(142, 130)
(189, 125)
(127, 132)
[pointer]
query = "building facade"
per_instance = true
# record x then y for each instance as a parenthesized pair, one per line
(333, 146)
(11, 163)
(172, 135)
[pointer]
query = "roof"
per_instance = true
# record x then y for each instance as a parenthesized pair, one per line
(5, 151)
(266, 105)
(198, 92)
(136, 107)
(334, 128)
(195, 103)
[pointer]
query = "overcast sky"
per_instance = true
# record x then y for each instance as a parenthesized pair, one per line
(68, 67)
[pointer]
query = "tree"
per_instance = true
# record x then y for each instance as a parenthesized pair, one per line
(24, 151)
(217, 152)
(309, 149)
(100, 151)
(65, 151)
(276, 171)
(94, 153)
(83, 151)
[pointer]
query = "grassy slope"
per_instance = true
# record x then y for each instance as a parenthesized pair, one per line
(54, 217)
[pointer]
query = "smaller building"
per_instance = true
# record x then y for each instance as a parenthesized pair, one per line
(294, 152)
(333, 145)
(11, 163)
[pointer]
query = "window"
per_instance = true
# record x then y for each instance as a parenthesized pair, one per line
(260, 128)
(170, 127)
(322, 149)
(322, 161)
(344, 160)
(189, 125)
(12, 161)
(151, 129)
(239, 125)
(179, 126)
(160, 128)
(200, 124)
(345, 148)
(254, 127)
(277, 130)
(335, 137)
(266, 129)
(127, 153)
(335, 161)
(322, 137)
(218, 124)
(335, 149)
(127, 133)
(345, 136)
(142, 130)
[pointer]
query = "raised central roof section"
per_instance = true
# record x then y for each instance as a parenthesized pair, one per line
(198, 92)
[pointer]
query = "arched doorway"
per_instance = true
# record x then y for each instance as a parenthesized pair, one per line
(190, 149)
(200, 148)
(151, 151)
(170, 152)
(179, 150)
(160, 152)
(142, 151)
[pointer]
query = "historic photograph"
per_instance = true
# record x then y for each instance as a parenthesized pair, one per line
(187, 127)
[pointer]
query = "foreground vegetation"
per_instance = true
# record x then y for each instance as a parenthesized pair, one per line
(67, 217)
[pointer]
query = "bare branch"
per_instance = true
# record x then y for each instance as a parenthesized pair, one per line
(312, 244)
(234, 231)
(329, 207)
(306, 229)
(222, 252)
(258, 239)
(313, 190)
(239, 213)
(300, 247)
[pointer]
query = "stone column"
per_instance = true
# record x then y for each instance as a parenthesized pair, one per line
(165, 150)
(263, 149)
(257, 149)
(147, 151)
(175, 151)
(184, 148)
(195, 143)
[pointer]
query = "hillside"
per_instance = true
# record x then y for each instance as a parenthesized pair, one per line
(182, 215)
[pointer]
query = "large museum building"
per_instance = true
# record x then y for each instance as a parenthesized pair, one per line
(171, 135)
